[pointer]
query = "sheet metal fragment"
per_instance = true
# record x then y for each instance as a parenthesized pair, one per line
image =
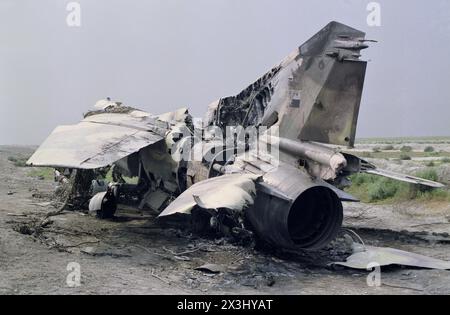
(384, 256)
(211, 268)
(235, 191)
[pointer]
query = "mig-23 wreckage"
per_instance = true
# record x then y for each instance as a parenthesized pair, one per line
(259, 161)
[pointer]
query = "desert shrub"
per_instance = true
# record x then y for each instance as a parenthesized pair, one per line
(361, 179)
(428, 193)
(405, 157)
(430, 164)
(388, 148)
(382, 189)
(42, 173)
(429, 149)
(429, 174)
(445, 160)
(406, 148)
(18, 161)
(438, 194)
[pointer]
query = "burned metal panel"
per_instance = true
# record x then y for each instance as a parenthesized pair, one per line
(90, 145)
(234, 191)
(248, 107)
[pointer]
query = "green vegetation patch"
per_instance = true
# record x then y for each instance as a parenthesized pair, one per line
(129, 180)
(375, 189)
(18, 161)
(46, 173)
(405, 157)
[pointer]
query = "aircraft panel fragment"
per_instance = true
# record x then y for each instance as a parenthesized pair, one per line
(383, 256)
(234, 191)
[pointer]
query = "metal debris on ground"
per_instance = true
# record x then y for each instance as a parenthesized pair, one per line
(384, 256)
(211, 268)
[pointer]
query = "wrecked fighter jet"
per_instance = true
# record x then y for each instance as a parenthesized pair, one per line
(266, 160)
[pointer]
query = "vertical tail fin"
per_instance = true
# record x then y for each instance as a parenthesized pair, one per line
(314, 94)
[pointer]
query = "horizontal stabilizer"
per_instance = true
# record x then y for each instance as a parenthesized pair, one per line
(404, 178)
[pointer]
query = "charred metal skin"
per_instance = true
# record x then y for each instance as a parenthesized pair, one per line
(307, 216)
(311, 98)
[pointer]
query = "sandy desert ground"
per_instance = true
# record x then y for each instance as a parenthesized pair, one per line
(133, 255)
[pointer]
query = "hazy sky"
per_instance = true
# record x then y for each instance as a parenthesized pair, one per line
(160, 55)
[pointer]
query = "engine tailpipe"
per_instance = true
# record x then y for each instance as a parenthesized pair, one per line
(295, 213)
